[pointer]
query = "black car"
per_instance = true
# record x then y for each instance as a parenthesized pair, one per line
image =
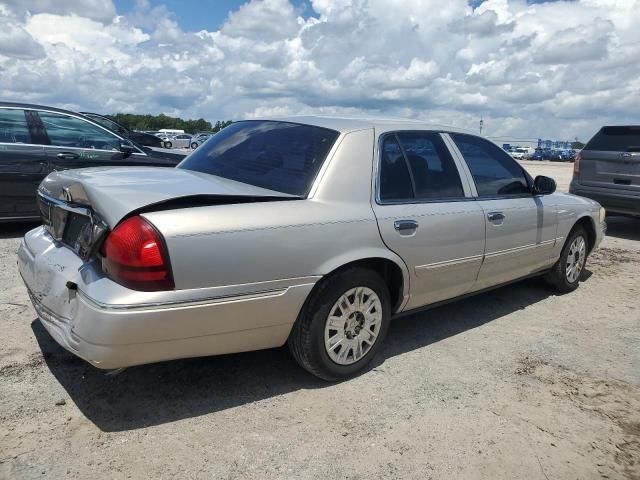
(141, 138)
(36, 140)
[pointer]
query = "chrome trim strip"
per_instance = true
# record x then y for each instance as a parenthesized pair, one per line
(448, 263)
(224, 293)
(521, 249)
(70, 148)
(473, 258)
(185, 303)
(65, 206)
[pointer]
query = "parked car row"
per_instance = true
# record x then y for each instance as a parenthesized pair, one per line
(529, 153)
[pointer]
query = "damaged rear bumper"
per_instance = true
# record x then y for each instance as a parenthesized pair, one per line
(111, 326)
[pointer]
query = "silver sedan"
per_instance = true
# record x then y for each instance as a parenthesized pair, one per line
(314, 232)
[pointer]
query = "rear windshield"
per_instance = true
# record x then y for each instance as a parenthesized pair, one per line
(616, 139)
(279, 156)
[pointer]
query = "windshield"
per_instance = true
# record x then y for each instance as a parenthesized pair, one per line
(279, 156)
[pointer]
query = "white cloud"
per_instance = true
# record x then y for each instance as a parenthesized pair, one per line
(557, 69)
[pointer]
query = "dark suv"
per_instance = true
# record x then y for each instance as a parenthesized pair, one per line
(608, 169)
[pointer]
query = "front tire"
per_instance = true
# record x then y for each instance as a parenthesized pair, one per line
(565, 274)
(168, 144)
(343, 324)
(194, 145)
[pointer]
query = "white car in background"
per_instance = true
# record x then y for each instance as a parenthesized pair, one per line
(520, 153)
(181, 140)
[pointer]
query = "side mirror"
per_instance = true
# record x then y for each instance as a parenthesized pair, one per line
(127, 149)
(544, 185)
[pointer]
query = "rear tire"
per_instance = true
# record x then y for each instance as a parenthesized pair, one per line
(168, 144)
(565, 274)
(361, 325)
(194, 145)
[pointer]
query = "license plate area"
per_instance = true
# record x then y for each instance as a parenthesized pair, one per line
(73, 226)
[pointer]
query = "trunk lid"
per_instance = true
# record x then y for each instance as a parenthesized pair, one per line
(78, 207)
(611, 159)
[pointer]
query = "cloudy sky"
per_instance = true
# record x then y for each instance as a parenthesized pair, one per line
(554, 69)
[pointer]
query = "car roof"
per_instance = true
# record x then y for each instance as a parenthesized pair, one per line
(350, 124)
(31, 106)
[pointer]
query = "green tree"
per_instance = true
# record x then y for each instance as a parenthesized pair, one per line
(155, 122)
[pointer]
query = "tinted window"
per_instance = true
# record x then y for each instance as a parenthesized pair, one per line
(495, 173)
(278, 156)
(105, 122)
(616, 139)
(434, 173)
(13, 126)
(66, 131)
(395, 181)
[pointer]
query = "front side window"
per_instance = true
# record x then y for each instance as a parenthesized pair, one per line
(66, 131)
(495, 173)
(280, 156)
(13, 127)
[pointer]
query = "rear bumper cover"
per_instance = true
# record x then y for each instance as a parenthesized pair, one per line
(614, 200)
(111, 334)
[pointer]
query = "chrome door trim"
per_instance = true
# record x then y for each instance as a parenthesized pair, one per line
(448, 263)
(521, 249)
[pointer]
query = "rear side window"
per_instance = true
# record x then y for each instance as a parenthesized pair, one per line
(417, 166)
(395, 180)
(435, 174)
(495, 173)
(279, 156)
(616, 139)
(13, 127)
(67, 131)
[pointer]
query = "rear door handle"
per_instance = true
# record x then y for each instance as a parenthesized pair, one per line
(68, 155)
(404, 225)
(495, 216)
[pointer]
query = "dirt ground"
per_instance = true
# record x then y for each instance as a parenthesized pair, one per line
(517, 383)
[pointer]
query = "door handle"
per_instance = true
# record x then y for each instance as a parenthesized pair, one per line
(404, 225)
(495, 216)
(68, 155)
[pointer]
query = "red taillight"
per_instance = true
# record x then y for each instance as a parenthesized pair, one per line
(134, 254)
(576, 164)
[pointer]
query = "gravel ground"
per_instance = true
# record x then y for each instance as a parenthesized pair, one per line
(517, 383)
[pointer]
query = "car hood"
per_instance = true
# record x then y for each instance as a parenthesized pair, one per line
(114, 193)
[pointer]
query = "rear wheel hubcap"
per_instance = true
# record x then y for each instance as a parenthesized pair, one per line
(353, 325)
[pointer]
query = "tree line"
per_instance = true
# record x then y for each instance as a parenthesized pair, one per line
(155, 122)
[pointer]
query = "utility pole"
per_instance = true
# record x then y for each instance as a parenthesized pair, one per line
(481, 125)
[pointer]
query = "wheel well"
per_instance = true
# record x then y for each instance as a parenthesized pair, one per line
(587, 224)
(390, 272)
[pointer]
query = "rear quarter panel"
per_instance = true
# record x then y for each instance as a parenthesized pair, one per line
(263, 242)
